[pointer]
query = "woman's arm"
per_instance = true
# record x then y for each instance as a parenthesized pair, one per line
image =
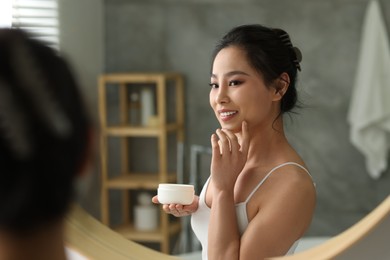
(228, 160)
(284, 214)
(223, 234)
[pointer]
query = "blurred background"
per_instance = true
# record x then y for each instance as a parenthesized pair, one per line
(104, 36)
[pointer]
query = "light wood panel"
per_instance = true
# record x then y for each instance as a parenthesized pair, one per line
(341, 244)
(89, 237)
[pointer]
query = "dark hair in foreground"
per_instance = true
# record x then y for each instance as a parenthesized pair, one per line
(270, 52)
(44, 131)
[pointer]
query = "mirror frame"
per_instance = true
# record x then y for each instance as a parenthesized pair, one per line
(90, 238)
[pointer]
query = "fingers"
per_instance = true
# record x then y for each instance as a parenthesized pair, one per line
(155, 200)
(228, 141)
(245, 138)
(177, 210)
(233, 141)
(214, 144)
(224, 141)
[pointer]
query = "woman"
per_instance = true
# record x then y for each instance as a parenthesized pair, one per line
(44, 146)
(260, 198)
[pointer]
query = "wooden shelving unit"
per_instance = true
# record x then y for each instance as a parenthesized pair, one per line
(128, 181)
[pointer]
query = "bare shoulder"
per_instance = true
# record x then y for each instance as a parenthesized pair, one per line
(282, 212)
(291, 187)
(291, 176)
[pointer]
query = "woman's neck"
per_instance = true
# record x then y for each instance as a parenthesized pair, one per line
(45, 244)
(267, 145)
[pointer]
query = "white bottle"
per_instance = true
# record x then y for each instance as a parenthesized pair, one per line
(145, 213)
(147, 105)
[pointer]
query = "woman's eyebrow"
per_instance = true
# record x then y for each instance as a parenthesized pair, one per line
(231, 73)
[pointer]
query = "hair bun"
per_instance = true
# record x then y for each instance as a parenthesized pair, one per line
(298, 54)
(298, 57)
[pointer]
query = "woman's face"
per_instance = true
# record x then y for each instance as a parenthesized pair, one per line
(238, 92)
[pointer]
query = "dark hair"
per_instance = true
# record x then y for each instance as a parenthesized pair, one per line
(44, 131)
(270, 52)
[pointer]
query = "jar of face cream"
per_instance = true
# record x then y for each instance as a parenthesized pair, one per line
(169, 193)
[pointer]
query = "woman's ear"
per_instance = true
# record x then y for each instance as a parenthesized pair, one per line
(281, 85)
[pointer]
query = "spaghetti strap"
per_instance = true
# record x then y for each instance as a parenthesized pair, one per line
(270, 172)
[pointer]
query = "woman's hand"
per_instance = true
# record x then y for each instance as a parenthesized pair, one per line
(229, 157)
(179, 210)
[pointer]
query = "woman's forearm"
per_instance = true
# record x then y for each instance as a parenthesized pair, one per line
(223, 234)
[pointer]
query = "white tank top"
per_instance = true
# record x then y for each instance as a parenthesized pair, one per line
(201, 218)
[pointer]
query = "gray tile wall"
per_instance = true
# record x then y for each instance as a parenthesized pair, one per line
(176, 35)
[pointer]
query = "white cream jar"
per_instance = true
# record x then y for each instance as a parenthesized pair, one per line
(169, 193)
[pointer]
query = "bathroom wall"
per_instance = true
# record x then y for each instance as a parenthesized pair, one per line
(81, 42)
(174, 35)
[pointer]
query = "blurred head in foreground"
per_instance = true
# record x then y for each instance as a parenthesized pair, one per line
(44, 134)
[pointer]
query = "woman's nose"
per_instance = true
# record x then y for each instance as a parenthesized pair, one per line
(222, 96)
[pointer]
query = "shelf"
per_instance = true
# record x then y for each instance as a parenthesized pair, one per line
(166, 125)
(138, 181)
(139, 77)
(126, 130)
(129, 232)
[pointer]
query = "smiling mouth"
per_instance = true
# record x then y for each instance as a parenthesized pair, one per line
(227, 114)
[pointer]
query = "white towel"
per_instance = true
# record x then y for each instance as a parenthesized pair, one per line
(369, 111)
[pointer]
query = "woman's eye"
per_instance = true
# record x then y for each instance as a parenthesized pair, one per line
(234, 83)
(213, 85)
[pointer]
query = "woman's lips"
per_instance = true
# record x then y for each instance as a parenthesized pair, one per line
(226, 115)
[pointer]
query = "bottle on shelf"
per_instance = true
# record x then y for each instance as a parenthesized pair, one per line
(145, 213)
(135, 109)
(147, 106)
